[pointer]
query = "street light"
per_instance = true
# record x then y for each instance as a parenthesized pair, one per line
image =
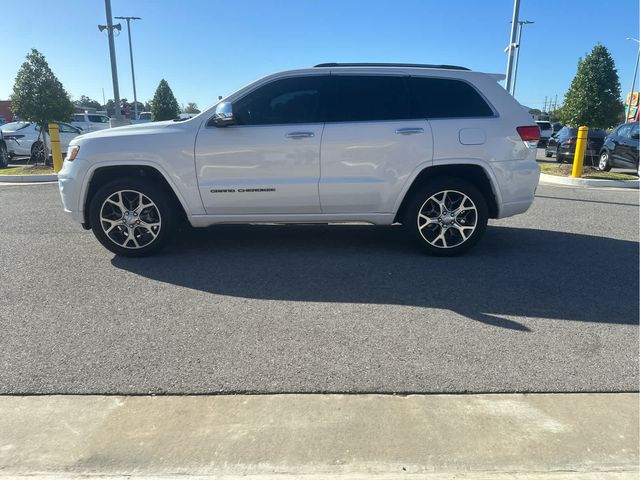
(635, 73)
(512, 44)
(133, 75)
(519, 46)
(110, 27)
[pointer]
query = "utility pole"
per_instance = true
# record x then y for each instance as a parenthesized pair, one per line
(512, 43)
(519, 46)
(545, 104)
(112, 54)
(133, 74)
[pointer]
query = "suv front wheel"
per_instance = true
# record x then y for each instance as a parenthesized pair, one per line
(447, 216)
(132, 217)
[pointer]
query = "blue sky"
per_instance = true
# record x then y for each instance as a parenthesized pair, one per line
(206, 48)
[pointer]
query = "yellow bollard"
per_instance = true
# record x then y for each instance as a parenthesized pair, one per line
(581, 147)
(56, 151)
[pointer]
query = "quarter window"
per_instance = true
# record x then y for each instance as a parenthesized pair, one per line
(445, 98)
(367, 98)
(290, 100)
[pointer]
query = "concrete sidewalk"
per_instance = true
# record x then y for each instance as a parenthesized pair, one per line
(550, 436)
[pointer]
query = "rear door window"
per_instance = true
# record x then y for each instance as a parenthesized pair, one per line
(366, 98)
(446, 98)
(98, 119)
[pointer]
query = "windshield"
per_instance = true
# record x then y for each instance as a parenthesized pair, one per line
(14, 126)
(544, 125)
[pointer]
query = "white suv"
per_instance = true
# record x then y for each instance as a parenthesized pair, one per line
(439, 149)
(90, 122)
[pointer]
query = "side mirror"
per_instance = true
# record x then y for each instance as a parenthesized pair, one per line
(223, 115)
(635, 135)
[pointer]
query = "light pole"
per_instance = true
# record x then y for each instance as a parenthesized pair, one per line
(519, 46)
(112, 54)
(133, 74)
(635, 73)
(512, 43)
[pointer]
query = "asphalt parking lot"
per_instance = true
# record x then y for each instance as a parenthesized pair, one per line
(548, 302)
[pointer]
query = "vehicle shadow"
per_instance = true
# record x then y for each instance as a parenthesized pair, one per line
(512, 272)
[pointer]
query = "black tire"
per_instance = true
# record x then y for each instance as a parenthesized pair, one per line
(37, 152)
(452, 241)
(604, 161)
(558, 156)
(4, 155)
(165, 215)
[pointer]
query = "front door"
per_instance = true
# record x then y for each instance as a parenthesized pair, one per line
(268, 161)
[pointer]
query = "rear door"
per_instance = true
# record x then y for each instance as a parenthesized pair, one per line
(629, 146)
(370, 145)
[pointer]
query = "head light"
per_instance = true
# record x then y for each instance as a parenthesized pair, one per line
(72, 152)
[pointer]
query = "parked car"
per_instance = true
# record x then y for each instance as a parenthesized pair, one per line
(562, 145)
(90, 122)
(4, 153)
(555, 127)
(143, 117)
(439, 149)
(23, 138)
(620, 148)
(546, 130)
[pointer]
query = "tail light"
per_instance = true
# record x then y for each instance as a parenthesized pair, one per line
(529, 134)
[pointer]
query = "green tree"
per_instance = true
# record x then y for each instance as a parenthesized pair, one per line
(593, 99)
(87, 102)
(191, 108)
(164, 105)
(38, 96)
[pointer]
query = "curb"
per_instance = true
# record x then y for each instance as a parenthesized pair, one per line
(28, 178)
(321, 437)
(588, 182)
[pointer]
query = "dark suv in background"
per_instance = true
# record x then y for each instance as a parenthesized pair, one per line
(620, 148)
(563, 145)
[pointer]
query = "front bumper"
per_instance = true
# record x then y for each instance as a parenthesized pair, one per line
(70, 186)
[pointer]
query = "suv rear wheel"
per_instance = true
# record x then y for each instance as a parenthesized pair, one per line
(447, 216)
(132, 217)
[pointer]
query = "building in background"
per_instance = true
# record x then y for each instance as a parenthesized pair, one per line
(6, 115)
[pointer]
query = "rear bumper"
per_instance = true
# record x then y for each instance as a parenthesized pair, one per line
(517, 181)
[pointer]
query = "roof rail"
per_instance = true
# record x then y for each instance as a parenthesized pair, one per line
(406, 65)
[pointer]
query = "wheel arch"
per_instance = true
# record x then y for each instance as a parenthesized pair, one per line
(106, 173)
(475, 173)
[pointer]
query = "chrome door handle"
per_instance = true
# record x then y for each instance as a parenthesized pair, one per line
(409, 131)
(296, 135)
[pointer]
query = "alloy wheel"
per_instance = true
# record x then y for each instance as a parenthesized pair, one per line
(447, 219)
(604, 158)
(130, 219)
